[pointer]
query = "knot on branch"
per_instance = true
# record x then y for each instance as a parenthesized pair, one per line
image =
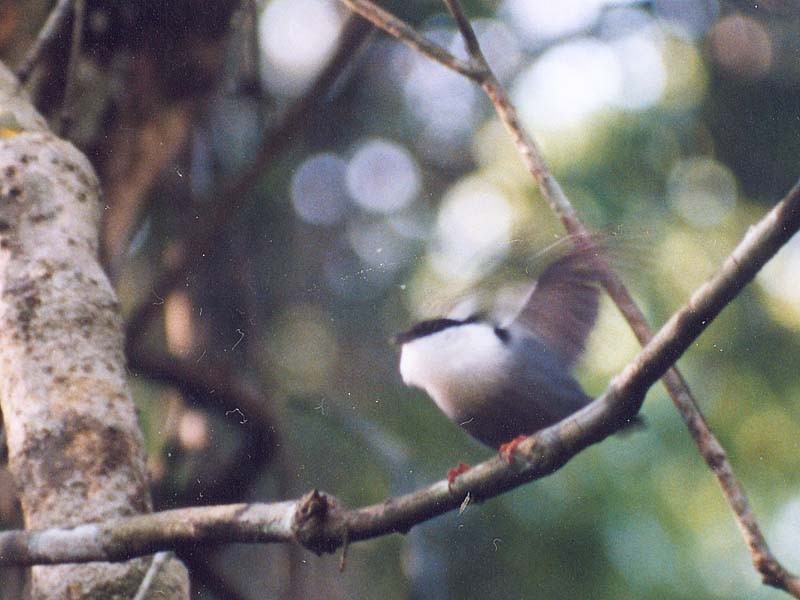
(318, 523)
(772, 573)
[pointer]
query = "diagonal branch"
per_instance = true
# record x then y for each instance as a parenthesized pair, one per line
(66, 116)
(319, 523)
(44, 39)
(708, 445)
(401, 30)
(75, 449)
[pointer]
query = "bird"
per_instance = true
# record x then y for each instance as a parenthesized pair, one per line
(502, 383)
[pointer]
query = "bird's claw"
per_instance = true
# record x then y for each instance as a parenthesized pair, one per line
(507, 450)
(455, 472)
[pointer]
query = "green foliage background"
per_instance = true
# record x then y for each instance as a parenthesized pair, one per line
(638, 516)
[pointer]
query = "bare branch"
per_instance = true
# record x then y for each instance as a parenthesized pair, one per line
(66, 117)
(319, 523)
(141, 535)
(74, 445)
(146, 586)
(708, 445)
(52, 26)
(465, 27)
(404, 32)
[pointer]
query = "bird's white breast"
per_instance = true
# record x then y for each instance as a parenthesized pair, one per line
(457, 366)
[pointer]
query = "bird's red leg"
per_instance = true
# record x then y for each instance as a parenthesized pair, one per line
(507, 450)
(455, 472)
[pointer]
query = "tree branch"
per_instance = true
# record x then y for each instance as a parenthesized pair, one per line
(66, 116)
(321, 524)
(75, 449)
(47, 34)
(709, 447)
(401, 30)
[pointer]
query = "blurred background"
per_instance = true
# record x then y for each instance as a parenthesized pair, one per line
(286, 188)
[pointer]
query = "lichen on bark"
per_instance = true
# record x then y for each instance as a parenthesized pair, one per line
(74, 445)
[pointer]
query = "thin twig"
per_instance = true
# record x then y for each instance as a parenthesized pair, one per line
(71, 86)
(321, 524)
(708, 445)
(470, 39)
(531, 155)
(403, 31)
(345, 547)
(52, 26)
(155, 565)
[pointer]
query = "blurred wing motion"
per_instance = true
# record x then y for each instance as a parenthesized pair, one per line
(562, 307)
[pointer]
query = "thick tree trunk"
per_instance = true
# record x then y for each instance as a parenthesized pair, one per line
(75, 448)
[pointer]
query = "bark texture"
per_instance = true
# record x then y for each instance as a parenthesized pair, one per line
(75, 448)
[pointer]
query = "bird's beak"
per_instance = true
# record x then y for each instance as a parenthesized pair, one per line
(398, 339)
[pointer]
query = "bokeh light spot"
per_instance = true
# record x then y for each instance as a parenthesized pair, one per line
(702, 191)
(301, 349)
(542, 21)
(178, 323)
(318, 190)
(296, 37)
(473, 229)
(443, 106)
(500, 45)
(567, 84)
(382, 176)
(644, 76)
(686, 75)
(689, 17)
(378, 245)
(742, 45)
(781, 280)
(193, 430)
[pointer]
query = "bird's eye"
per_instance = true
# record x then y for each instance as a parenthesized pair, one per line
(502, 334)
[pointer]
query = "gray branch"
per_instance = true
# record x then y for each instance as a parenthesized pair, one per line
(320, 523)
(74, 446)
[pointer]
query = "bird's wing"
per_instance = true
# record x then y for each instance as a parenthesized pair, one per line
(536, 392)
(561, 309)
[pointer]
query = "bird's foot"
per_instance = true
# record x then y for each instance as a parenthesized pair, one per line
(455, 472)
(507, 450)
